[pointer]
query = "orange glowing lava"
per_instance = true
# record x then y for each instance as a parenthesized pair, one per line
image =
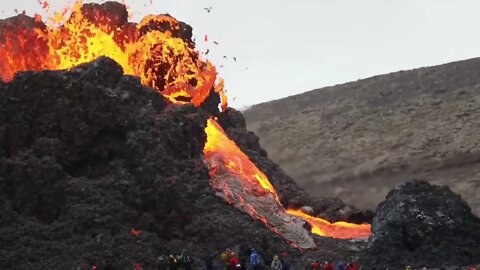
(153, 50)
(252, 180)
(236, 160)
(238, 181)
(343, 230)
(159, 51)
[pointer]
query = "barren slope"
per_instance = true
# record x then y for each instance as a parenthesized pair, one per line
(359, 139)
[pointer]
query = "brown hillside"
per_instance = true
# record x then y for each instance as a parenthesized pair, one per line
(357, 140)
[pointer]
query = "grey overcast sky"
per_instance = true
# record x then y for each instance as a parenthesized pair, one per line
(288, 47)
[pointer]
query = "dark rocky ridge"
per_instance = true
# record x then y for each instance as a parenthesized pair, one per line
(419, 223)
(88, 154)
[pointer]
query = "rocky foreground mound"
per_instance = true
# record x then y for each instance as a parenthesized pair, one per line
(96, 169)
(423, 225)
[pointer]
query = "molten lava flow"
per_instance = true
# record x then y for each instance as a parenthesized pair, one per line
(339, 229)
(241, 183)
(236, 160)
(157, 50)
(160, 51)
(238, 181)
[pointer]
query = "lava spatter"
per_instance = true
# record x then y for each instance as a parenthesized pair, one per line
(159, 51)
(150, 50)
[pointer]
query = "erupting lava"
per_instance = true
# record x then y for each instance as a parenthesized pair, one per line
(157, 50)
(160, 51)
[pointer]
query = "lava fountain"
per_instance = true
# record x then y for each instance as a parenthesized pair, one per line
(159, 50)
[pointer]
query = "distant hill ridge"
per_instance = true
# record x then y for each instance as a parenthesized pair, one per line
(357, 140)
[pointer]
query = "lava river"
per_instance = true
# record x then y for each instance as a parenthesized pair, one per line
(236, 179)
(159, 50)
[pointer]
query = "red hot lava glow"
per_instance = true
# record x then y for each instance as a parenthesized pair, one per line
(159, 53)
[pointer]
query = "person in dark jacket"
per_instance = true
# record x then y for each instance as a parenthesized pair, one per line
(162, 262)
(172, 263)
(184, 260)
(244, 255)
(286, 263)
(208, 259)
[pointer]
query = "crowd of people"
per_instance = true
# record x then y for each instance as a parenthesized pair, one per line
(181, 261)
(230, 260)
(341, 265)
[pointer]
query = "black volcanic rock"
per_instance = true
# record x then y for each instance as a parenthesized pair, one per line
(419, 223)
(89, 154)
(114, 15)
(96, 169)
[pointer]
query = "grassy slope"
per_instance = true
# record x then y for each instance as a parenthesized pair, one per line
(359, 139)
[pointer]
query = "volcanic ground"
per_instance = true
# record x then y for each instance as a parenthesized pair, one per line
(97, 169)
(90, 154)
